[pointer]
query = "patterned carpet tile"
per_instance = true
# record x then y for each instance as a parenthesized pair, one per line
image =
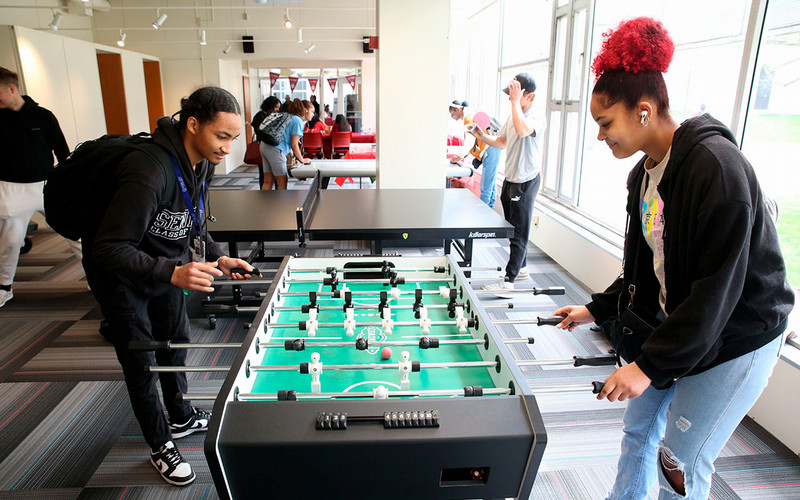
(68, 444)
(21, 340)
(23, 407)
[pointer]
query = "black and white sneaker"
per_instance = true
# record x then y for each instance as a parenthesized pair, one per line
(198, 422)
(171, 465)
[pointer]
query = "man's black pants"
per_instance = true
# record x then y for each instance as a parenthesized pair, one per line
(517, 200)
(133, 316)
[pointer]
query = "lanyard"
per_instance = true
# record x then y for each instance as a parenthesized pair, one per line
(194, 213)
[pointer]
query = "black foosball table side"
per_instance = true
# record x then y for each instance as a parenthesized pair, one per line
(210, 443)
(289, 457)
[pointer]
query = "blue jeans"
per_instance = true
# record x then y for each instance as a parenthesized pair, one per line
(491, 158)
(690, 422)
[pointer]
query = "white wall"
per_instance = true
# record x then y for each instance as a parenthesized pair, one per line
(369, 94)
(413, 74)
(230, 75)
(778, 407)
(135, 91)
(591, 261)
(44, 61)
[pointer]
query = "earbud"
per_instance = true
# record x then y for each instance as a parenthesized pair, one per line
(644, 116)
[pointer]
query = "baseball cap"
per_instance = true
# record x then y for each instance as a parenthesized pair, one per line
(459, 104)
(526, 81)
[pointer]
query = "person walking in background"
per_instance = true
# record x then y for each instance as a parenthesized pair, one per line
(701, 265)
(521, 138)
(31, 135)
(142, 257)
(270, 105)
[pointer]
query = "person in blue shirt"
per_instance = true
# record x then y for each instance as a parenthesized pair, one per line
(275, 168)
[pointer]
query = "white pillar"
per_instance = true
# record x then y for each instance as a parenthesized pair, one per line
(413, 82)
(368, 94)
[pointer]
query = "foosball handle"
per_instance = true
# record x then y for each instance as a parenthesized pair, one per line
(553, 290)
(148, 345)
(244, 271)
(549, 321)
(597, 387)
(599, 360)
(220, 308)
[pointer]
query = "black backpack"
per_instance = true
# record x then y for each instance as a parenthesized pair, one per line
(77, 194)
(271, 129)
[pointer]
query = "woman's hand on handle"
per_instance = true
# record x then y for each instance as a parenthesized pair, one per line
(627, 382)
(574, 316)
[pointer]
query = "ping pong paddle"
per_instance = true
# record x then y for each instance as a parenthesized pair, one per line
(482, 120)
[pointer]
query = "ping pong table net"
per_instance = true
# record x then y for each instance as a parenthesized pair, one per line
(305, 212)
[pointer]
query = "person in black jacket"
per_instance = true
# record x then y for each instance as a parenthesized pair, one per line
(142, 259)
(30, 134)
(701, 263)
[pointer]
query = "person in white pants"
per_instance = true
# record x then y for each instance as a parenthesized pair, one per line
(30, 135)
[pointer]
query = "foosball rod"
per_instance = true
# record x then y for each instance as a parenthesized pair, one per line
(372, 394)
(595, 387)
(299, 325)
(298, 367)
(386, 269)
(289, 344)
(233, 308)
(553, 290)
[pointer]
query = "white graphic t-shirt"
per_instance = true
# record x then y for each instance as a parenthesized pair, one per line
(652, 219)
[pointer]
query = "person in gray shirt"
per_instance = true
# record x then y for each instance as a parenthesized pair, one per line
(521, 138)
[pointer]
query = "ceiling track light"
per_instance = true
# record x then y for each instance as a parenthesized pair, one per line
(162, 18)
(56, 20)
(227, 49)
(299, 35)
(203, 40)
(287, 22)
(310, 47)
(122, 37)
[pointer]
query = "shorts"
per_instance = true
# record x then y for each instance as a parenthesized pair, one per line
(274, 160)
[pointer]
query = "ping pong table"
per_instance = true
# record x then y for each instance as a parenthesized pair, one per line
(382, 216)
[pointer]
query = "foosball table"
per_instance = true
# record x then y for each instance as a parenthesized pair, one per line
(367, 377)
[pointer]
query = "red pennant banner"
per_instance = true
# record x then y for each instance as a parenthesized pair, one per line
(292, 82)
(332, 83)
(312, 82)
(273, 77)
(351, 79)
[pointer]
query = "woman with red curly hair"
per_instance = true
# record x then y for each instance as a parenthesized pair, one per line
(700, 308)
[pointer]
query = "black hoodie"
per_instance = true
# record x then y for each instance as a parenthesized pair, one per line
(31, 136)
(725, 276)
(139, 245)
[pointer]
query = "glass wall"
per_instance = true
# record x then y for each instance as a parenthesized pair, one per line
(555, 40)
(703, 77)
(771, 138)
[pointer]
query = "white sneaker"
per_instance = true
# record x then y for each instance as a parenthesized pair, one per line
(523, 274)
(171, 465)
(5, 297)
(499, 288)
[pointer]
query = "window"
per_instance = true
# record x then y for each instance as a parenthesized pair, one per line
(772, 129)
(703, 77)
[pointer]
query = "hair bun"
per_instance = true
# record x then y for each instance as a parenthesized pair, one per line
(641, 44)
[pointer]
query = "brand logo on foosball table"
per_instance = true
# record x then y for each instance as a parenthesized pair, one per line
(405, 236)
(477, 234)
(372, 334)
